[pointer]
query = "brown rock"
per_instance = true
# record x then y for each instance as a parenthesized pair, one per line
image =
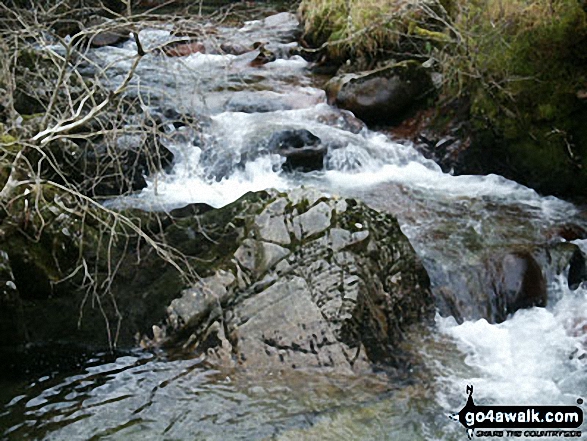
(183, 49)
(382, 96)
(518, 283)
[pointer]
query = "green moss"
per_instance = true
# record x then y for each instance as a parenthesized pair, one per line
(522, 64)
(6, 139)
(546, 111)
(365, 30)
(432, 36)
(32, 117)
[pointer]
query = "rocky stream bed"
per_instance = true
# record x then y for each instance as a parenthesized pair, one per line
(348, 288)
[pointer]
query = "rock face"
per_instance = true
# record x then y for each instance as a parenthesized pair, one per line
(311, 282)
(295, 280)
(382, 96)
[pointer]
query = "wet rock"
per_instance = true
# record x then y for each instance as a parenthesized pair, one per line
(382, 96)
(263, 101)
(567, 232)
(256, 102)
(104, 165)
(302, 149)
(234, 48)
(104, 34)
(264, 55)
(109, 38)
(284, 25)
(342, 119)
(497, 286)
(307, 286)
(124, 169)
(190, 210)
(577, 273)
(518, 283)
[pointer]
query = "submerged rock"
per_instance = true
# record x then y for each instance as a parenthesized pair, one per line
(312, 282)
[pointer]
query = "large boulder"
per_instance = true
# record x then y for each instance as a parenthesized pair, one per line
(309, 282)
(382, 96)
(295, 280)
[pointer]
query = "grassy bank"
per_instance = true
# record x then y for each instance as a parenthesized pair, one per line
(519, 64)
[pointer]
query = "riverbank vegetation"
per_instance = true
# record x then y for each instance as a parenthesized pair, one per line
(68, 141)
(519, 67)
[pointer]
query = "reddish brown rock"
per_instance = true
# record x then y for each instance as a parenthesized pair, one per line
(183, 49)
(518, 283)
(234, 48)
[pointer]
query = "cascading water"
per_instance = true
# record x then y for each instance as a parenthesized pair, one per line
(537, 356)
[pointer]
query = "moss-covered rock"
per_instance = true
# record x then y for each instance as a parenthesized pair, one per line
(44, 238)
(304, 281)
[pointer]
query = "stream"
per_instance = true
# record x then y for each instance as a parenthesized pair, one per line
(455, 223)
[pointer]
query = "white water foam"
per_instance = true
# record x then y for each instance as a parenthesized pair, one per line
(354, 161)
(171, 191)
(538, 356)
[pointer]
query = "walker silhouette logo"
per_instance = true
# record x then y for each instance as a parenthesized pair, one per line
(551, 421)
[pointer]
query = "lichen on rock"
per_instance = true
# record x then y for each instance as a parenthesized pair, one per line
(315, 282)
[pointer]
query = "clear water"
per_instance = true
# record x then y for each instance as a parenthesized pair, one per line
(537, 356)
